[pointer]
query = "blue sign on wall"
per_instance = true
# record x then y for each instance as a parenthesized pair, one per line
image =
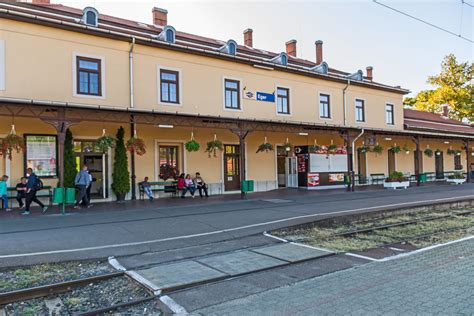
(267, 97)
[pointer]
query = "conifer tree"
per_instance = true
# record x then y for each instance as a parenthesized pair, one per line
(70, 168)
(120, 175)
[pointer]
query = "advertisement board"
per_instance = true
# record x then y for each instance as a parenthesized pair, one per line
(41, 154)
(313, 179)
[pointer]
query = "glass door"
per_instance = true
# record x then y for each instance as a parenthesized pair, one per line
(231, 168)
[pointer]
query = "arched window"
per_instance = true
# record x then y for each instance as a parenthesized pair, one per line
(284, 59)
(232, 48)
(170, 35)
(90, 16)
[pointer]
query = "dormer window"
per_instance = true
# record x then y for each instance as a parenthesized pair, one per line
(282, 59)
(358, 75)
(90, 16)
(229, 48)
(168, 34)
(322, 68)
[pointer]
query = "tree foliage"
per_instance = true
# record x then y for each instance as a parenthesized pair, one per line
(70, 167)
(120, 174)
(454, 87)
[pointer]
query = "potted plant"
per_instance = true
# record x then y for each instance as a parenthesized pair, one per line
(453, 152)
(192, 145)
(12, 142)
(457, 178)
(265, 147)
(314, 148)
(104, 142)
(168, 171)
(395, 149)
(377, 149)
(396, 180)
(120, 174)
(428, 152)
(213, 146)
(136, 145)
(332, 148)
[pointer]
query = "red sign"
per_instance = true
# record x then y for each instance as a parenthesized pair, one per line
(313, 179)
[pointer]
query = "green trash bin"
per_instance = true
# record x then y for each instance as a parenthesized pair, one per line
(423, 177)
(70, 195)
(247, 186)
(58, 195)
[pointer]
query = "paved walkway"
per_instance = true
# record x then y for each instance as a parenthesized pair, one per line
(439, 281)
(137, 227)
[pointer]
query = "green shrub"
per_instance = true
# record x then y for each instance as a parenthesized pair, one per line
(396, 176)
(192, 145)
(120, 174)
(70, 167)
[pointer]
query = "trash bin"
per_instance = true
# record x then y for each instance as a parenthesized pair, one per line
(423, 177)
(247, 186)
(70, 195)
(58, 195)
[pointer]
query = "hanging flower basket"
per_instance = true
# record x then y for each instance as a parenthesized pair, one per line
(265, 147)
(12, 142)
(377, 149)
(105, 142)
(428, 152)
(332, 148)
(364, 149)
(287, 145)
(213, 146)
(314, 148)
(192, 145)
(136, 145)
(406, 149)
(453, 152)
(395, 149)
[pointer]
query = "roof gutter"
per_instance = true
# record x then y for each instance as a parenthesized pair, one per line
(130, 66)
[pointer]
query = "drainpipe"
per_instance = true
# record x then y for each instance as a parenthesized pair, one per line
(353, 159)
(344, 99)
(132, 119)
(130, 58)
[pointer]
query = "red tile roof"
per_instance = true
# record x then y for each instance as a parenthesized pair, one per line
(421, 120)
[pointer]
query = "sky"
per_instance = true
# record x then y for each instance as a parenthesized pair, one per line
(356, 33)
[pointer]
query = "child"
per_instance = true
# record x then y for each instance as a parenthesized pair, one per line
(3, 192)
(21, 192)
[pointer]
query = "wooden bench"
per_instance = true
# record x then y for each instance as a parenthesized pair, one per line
(46, 192)
(159, 186)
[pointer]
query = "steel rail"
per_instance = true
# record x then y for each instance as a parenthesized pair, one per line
(51, 289)
(116, 306)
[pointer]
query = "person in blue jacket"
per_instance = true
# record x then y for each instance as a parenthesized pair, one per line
(82, 181)
(31, 187)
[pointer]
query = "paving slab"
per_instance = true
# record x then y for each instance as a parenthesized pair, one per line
(241, 262)
(179, 274)
(291, 252)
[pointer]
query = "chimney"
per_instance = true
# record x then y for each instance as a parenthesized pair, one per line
(445, 110)
(248, 38)
(160, 16)
(369, 72)
(40, 2)
(291, 48)
(319, 52)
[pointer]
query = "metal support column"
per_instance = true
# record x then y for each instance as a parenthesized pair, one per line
(348, 138)
(242, 134)
(416, 140)
(133, 176)
(468, 161)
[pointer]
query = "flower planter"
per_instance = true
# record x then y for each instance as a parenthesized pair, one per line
(396, 185)
(456, 181)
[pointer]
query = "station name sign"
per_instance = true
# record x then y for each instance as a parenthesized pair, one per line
(259, 96)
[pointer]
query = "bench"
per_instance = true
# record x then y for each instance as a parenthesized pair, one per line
(159, 186)
(377, 178)
(46, 192)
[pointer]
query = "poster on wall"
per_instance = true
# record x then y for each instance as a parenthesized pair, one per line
(313, 179)
(328, 163)
(41, 154)
(302, 162)
(336, 177)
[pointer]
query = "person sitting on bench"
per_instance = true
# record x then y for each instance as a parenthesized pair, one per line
(147, 188)
(188, 186)
(21, 192)
(200, 184)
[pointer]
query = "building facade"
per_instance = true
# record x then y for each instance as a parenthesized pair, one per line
(62, 67)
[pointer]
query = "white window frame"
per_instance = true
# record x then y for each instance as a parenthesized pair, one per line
(180, 86)
(240, 94)
(364, 110)
(289, 101)
(329, 104)
(2, 65)
(393, 114)
(74, 76)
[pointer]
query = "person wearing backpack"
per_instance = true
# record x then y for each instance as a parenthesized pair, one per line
(33, 185)
(83, 181)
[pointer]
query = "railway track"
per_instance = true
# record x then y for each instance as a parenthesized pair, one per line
(63, 287)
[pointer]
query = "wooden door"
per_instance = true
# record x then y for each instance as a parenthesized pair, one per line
(439, 168)
(391, 162)
(231, 168)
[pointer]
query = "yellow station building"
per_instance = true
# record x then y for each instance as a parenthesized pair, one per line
(62, 67)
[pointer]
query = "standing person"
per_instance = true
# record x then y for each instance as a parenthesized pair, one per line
(31, 187)
(88, 191)
(3, 192)
(188, 186)
(82, 181)
(200, 184)
(147, 188)
(21, 192)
